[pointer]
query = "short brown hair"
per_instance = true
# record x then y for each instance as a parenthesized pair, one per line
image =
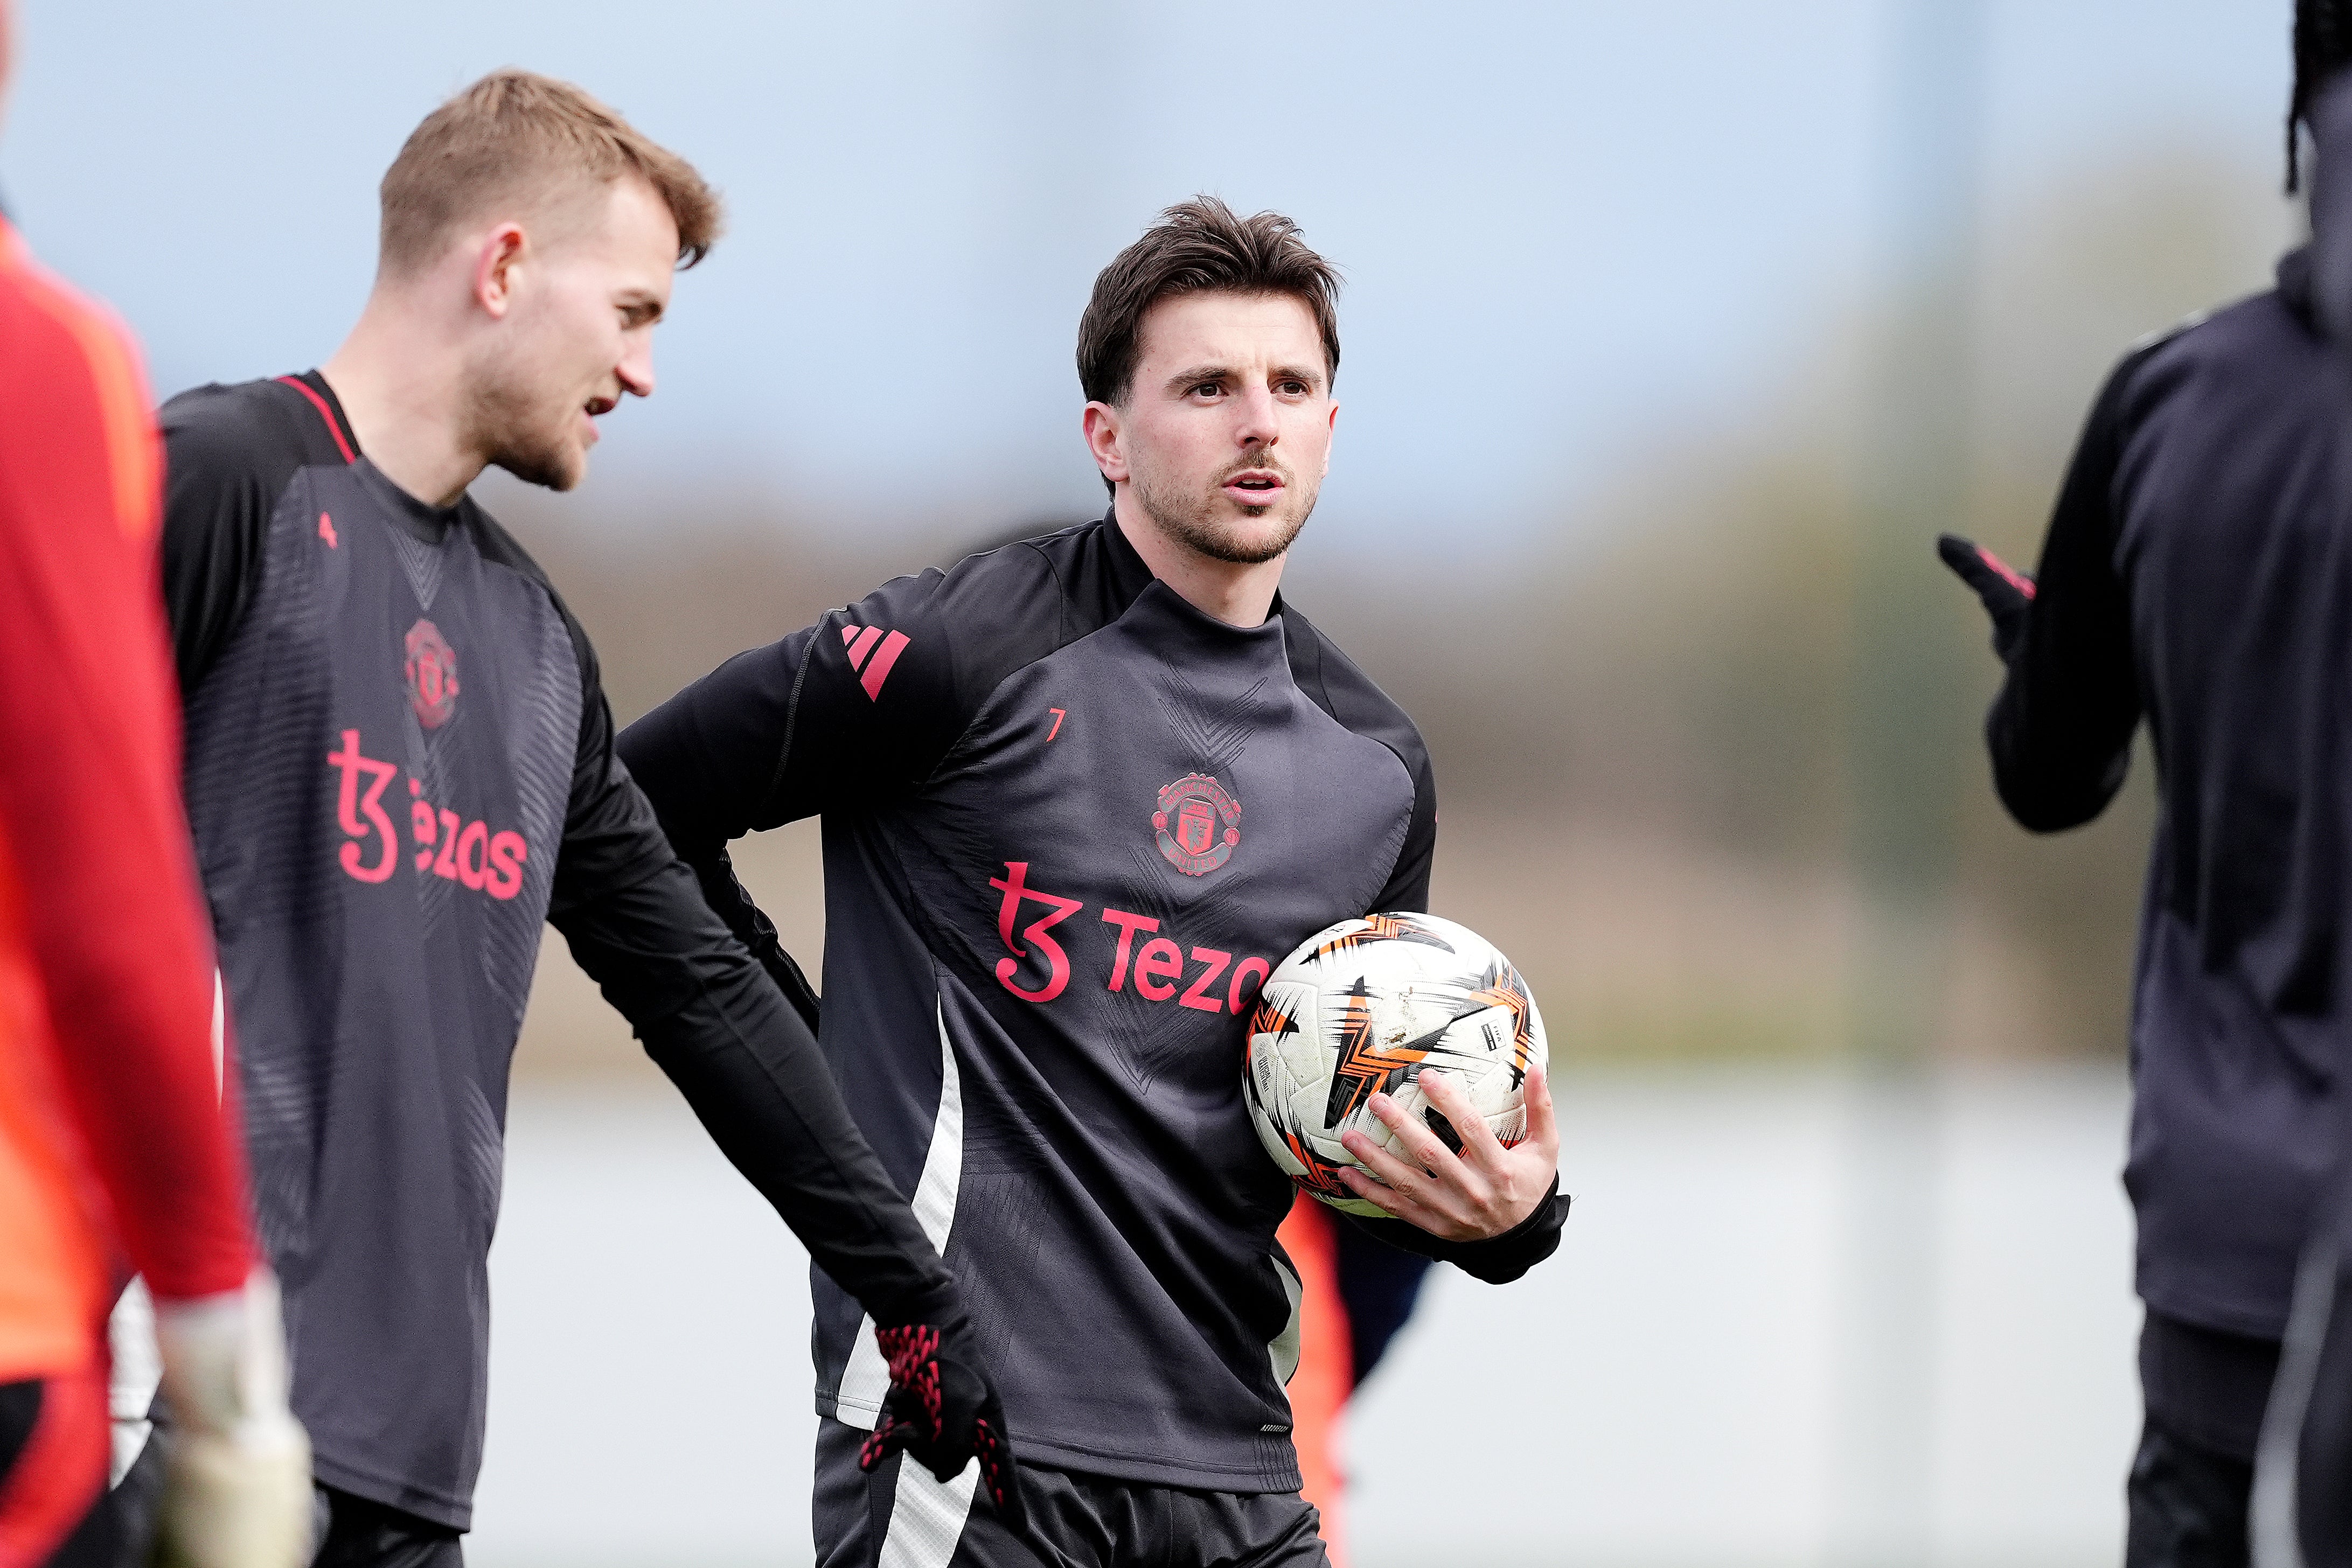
(1197, 246)
(512, 135)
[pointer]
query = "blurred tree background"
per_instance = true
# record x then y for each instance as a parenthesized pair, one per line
(1643, 718)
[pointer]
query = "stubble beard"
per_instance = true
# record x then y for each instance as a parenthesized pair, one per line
(521, 433)
(1205, 524)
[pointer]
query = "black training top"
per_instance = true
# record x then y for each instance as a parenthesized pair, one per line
(399, 763)
(1070, 823)
(2193, 575)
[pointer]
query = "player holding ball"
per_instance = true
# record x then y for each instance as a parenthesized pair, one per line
(1081, 794)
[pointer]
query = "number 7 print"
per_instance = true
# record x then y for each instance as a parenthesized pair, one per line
(1058, 716)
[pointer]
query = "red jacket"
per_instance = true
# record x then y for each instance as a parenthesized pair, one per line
(112, 1132)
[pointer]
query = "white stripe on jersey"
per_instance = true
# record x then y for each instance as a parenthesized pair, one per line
(926, 1517)
(866, 1378)
(1282, 1350)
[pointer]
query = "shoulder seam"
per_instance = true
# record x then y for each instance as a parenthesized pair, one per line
(792, 711)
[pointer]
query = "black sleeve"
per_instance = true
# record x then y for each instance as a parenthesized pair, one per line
(225, 467)
(746, 1061)
(1498, 1260)
(2060, 731)
(858, 707)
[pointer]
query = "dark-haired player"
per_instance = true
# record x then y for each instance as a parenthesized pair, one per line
(2194, 576)
(400, 763)
(1079, 794)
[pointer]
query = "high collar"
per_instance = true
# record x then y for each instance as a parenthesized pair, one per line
(1184, 633)
(1131, 574)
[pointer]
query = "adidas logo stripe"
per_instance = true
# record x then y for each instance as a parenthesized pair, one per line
(876, 662)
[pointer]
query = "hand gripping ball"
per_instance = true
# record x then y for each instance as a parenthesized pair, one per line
(1365, 1007)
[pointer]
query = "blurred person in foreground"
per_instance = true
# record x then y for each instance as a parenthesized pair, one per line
(400, 764)
(2192, 577)
(2303, 1484)
(1354, 1295)
(112, 1139)
(1079, 795)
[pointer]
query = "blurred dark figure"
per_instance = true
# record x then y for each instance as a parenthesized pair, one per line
(2303, 1500)
(2193, 575)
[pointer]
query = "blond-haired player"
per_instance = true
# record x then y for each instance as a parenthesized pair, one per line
(401, 763)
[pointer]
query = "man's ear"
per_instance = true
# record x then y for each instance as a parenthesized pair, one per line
(1102, 432)
(495, 264)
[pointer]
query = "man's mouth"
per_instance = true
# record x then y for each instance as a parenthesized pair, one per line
(1254, 486)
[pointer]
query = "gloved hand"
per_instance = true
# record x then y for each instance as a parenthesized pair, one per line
(2007, 592)
(236, 1478)
(943, 1411)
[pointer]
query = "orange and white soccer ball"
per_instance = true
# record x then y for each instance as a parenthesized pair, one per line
(1366, 1006)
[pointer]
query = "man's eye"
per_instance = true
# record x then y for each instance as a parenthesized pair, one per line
(1208, 389)
(1293, 389)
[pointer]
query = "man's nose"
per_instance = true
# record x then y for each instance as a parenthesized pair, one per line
(1256, 425)
(637, 370)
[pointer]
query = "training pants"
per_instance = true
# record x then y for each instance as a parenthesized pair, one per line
(898, 1517)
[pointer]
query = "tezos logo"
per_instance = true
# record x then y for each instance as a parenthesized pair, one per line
(432, 672)
(1197, 824)
(447, 846)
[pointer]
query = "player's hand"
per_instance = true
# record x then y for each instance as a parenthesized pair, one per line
(943, 1411)
(236, 1477)
(2007, 592)
(1481, 1192)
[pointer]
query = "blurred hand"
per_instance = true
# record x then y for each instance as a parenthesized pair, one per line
(1479, 1194)
(236, 1478)
(2007, 592)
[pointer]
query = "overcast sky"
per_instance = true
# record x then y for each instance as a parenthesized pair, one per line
(1566, 226)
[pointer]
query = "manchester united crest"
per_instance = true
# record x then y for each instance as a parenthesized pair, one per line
(1197, 824)
(432, 671)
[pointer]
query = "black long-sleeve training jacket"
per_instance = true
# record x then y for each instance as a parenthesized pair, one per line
(2194, 575)
(1070, 823)
(400, 764)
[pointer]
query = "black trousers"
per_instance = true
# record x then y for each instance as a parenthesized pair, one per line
(346, 1531)
(1075, 1520)
(355, 1533)
(2188, 1504)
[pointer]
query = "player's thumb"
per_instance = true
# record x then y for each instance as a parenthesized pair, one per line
(2007, 593)
(1969, 563)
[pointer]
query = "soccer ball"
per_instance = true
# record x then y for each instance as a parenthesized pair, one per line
(1365, 1007)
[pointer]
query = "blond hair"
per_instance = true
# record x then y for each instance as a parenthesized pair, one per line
(515, 136)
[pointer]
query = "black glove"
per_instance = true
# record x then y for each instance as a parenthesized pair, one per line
(2007, 592)
(943, 1411)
